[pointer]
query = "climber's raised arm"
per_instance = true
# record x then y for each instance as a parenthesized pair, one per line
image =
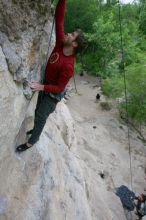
(59, 20)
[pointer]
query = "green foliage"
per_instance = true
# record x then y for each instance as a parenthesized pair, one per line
(80, 14)
(78, 68)
(142, 20)
(101, 24)
(103, 56)
(103, 45)
(113, 87)
(136, 87)
(136, 90)
(103, 37)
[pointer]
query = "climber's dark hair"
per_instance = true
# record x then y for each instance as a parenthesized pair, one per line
(80, 39)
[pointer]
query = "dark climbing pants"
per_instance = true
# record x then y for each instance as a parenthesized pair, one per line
(45, 106)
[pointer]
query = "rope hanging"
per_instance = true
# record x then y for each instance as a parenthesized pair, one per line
(126, 100)
(125, 92)
(50, 38)
(75, 83)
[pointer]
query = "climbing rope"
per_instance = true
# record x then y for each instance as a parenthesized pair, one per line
(75, 83)
(125, 92)
(50, 38)
(126, 101)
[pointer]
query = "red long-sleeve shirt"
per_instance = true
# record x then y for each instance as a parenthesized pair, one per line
(59, 68)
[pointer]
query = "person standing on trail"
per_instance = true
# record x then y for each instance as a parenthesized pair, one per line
(59, 70)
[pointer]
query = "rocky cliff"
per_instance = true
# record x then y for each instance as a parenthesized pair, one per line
(59, 178)
(25, 28)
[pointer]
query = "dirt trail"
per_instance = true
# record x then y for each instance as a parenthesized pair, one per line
(102, 139)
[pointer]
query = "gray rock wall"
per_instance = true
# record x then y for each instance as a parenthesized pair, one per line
(58, 178)
(25, 28)
(51, 181)
(24, 35)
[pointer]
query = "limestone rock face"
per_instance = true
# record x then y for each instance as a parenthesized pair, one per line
(25, 28)
(58, 178)
(51, 181)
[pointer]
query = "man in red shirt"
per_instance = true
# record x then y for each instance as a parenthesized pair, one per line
(59, 70)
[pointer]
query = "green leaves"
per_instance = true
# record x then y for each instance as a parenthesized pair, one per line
(102, 57)
(142, 20)
(136, 90)
(80, 14)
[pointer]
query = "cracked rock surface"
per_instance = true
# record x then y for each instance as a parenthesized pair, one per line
(59, 177)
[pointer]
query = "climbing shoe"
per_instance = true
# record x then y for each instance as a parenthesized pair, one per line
(29, 132)
(22, 148)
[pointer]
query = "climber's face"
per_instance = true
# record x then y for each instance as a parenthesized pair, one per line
(70, 39)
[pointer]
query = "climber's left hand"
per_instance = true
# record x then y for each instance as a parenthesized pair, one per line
(35, 86)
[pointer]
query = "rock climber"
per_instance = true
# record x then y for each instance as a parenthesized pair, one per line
(59, 70)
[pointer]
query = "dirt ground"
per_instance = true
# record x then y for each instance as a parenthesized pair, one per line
(103, 137)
